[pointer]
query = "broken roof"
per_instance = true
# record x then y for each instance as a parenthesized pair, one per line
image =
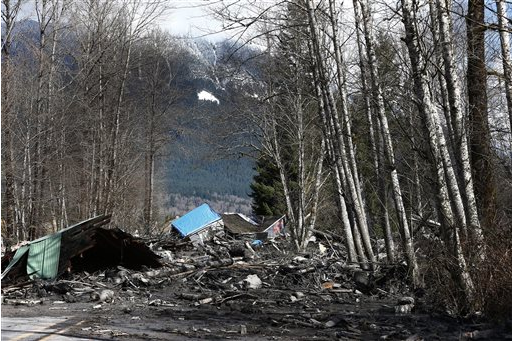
(82, 246)
(44, 254)
(237, 224)
(266, 222)
(196, 220)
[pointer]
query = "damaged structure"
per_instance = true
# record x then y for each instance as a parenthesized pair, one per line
(273, 226)
(237, 224)
(202, 223)
(85, 246)
(199, 224)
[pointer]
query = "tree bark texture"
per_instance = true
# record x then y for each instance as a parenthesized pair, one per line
(480, 137)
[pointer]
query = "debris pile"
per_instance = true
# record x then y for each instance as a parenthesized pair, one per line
(85, 246)
(229, 285)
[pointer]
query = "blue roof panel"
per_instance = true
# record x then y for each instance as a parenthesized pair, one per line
(195, 220)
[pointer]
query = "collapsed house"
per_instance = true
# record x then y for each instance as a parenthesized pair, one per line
(85, 246)
(273, 226)
(200, 224)
(237, 224)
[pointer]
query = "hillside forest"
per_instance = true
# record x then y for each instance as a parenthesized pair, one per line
(384, 125)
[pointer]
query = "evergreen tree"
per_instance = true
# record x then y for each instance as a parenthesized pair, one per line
(267, 190)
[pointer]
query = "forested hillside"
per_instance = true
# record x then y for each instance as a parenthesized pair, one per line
(101, 117)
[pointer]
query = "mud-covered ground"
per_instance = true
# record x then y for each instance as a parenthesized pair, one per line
(268, 294)
(254, 316)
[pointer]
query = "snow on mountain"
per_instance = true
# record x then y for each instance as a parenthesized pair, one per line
(206, 96)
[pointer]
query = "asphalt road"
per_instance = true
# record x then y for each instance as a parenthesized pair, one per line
(39, 328)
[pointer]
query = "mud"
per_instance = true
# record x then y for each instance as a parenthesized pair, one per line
(203, 294)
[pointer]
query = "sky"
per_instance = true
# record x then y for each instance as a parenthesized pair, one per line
(185, 18)
(192, 18)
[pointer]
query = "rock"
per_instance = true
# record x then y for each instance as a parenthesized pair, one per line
(360, 277)
(104, 296)
(362, 281)
(187, 267)
(330, 324)
(252, 282)
(336, 321)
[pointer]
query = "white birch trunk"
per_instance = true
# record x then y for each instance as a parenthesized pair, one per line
(316, 193)
(461, 147)
(505, 55)
(378, 101)
(437, 146)
(377, 160)
(338, 142)
(352, 241)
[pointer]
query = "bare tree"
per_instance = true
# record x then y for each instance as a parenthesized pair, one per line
(362, 11)
(159, 63)
(479, 139)
(343, 151)
(460, 137)
(505, 54)
(441, 164)
(10, 10)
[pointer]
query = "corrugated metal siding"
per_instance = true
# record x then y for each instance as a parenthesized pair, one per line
(43, 257)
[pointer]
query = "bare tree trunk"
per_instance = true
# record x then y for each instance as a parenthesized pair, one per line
(352, 239)
(340, 75)
(439, 150)
(480, 138)
(376, 150)
(111, 182)
(41, 99)
(438, 63)
(26, 183)
(301, 179)
(284, 181)
(389, 153)
(333, 121)
(150, 161)
(505, 55)
(461, 148)
(54, 136)
(319, 179)
(9, 13)
(139, 15)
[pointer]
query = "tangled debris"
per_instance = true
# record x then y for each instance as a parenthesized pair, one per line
(227, 288)
(85, 246)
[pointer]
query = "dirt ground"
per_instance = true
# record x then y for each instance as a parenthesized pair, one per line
(256, 314)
